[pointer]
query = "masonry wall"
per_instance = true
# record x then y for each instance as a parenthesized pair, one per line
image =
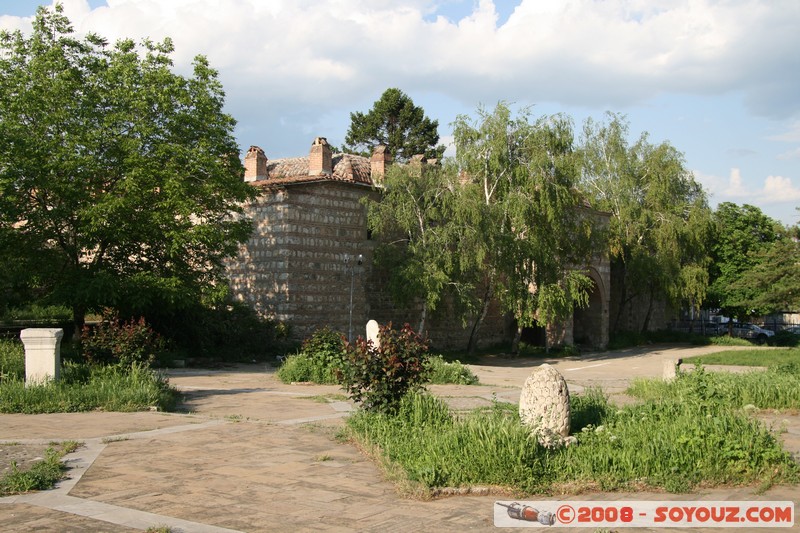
(293, 267)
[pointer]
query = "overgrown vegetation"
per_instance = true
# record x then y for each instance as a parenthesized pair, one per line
(317, 360)
(88, 388)
(81, 387)
(121, 343)
(441, 372)
(776, 388)
(323, 357)
(670, 445)
(12, 360)
(378, 377)
(42, 475)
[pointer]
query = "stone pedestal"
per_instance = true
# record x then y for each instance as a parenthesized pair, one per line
(42, 354)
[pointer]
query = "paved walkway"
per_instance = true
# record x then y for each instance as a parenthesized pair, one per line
(251, 454)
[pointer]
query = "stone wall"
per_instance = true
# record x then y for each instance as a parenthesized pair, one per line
(293, 267)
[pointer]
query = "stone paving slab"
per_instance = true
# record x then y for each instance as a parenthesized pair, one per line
(253, 454)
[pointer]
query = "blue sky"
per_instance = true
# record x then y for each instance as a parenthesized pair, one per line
(719, 80)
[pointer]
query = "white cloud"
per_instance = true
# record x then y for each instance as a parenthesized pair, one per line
(773, 189)
(583, 52)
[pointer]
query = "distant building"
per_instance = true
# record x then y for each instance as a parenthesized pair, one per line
(300, 265)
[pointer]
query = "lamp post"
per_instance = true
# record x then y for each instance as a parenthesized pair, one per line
(359, 261)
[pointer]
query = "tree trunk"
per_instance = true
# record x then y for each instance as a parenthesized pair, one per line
(78, 321)
(515, 341)
(646, 324)
(423, 316)
(476, 326)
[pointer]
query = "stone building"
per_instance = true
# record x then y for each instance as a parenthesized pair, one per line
(309, 260)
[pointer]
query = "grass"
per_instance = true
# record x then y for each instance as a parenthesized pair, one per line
(12, 360)
(665, 445)
(768, 358)
(777, 388)
(42, 475)
(85, 388)
(442, 372)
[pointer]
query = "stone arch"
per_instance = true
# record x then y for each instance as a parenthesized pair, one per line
(590, 324)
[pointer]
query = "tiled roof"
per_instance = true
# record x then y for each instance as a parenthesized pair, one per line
(346, 167)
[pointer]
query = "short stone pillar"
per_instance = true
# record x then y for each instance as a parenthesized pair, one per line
(671, 368)
(544, 406)
(42, 354)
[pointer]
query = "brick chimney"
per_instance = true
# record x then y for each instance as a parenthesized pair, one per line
(319, 159)
(381, 158)
(255, 165)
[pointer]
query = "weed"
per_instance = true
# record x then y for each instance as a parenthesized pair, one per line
(86, 388)
(118, 438)
(158, 529)
(317, 360)
(12, 360)
(442, 372)
(42, 475)
(669, 445)
(323, 457)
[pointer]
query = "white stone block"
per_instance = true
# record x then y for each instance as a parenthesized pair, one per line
(42, 354)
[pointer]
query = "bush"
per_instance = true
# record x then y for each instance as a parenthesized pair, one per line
(784, 338)
(230, 331)
(12, 360)
(378, 378)
(119, 343)
(441, 372)
(318, 359)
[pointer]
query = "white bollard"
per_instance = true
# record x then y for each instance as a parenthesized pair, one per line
(42, 354)
(372, 333)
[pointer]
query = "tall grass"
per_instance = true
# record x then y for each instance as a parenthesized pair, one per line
(12, 360)
(657, 445)
(84, 388)
(777, 388)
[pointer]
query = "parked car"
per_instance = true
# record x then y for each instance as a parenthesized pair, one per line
(752, 332)
(795, 330)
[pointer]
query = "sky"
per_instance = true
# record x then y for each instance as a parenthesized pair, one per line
(717, 79)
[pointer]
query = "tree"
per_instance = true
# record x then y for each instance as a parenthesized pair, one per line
(772, 283)
(660, 220)
(531, 232)
(421, 236)
(395, 122)
(741, 235)
(121, 176)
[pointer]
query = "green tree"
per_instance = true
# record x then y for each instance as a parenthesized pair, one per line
(395, 122)
(772, 283)
(531, 231)
(742, 236)
(121, 176)
(660, 221)
(421, 237)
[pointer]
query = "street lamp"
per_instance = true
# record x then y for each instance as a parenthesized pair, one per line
(359, 261)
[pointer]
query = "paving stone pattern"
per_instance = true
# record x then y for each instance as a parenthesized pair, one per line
(251, 454)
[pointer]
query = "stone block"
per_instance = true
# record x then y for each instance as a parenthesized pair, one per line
(42, 354)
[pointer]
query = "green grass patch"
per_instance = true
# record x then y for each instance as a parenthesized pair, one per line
(42, 475)
(665, 445)
(754, 357)
(777, 388)
(12, 360)
(89, 388)
(441, 372)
